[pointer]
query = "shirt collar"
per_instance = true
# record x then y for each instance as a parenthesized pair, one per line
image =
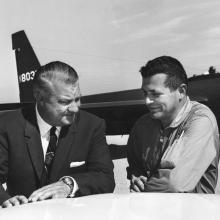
(182, 113)
(44, 127)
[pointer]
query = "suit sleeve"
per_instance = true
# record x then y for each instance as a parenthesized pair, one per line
(99, 177)
(134, 156)
(3, 165)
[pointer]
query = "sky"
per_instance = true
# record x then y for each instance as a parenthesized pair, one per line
(107, 41)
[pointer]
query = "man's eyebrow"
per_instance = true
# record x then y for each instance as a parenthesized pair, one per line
(62, 99)
(150, 90)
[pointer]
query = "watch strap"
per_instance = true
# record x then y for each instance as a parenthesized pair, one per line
(68, 180)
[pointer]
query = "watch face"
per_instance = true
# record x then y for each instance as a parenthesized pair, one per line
(68, 181)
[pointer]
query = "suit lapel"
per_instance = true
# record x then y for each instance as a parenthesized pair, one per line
(33, 141)
(66, 142)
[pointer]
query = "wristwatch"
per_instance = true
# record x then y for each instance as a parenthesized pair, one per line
(69, 182)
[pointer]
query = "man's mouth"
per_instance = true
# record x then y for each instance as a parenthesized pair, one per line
(154, 108)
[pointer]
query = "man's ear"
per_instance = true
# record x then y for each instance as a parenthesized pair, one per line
(182, 91)
(37, 95)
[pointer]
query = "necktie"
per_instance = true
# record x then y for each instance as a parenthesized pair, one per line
(49, 156)
(51, 149)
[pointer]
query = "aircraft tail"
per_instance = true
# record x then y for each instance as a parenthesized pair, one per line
(27, 64)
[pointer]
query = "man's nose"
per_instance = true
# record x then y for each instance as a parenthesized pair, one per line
(73, 107)
(148, 100)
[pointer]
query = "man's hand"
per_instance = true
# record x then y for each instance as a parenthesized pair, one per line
(13, 201)
(137, 183)
(159, 185)
(161, 182)
(54, 190)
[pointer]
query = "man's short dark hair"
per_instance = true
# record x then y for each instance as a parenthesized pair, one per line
(52, 71)
(170, 66)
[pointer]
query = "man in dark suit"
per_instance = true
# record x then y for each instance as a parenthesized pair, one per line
(53, 149)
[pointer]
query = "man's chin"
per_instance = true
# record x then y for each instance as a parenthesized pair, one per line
(156, 115)
(67, 120)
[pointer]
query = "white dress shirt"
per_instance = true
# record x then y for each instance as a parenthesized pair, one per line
(45, 132)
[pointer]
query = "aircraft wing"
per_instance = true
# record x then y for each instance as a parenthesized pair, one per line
(133, 206)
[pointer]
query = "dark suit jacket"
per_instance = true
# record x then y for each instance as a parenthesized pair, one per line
(21, 154)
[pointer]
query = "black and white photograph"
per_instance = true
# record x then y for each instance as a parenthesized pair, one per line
(109, 109)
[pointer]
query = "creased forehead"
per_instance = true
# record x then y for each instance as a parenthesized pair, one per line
(59, 89)
(157, 79)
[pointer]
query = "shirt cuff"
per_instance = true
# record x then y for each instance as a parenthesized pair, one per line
(76, 187)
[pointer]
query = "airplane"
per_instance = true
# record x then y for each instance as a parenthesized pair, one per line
(120, 109)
